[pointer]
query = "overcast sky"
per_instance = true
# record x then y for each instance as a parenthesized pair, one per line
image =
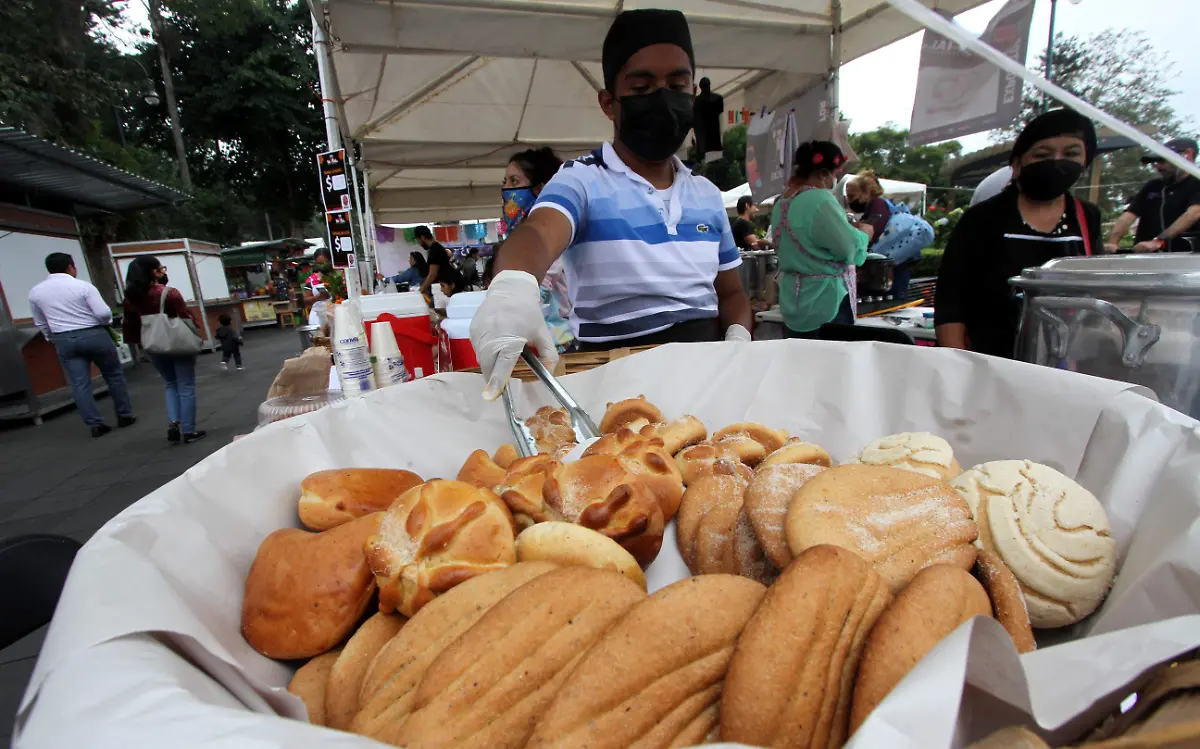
(1169, 24)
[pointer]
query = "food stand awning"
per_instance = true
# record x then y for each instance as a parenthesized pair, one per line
(262, 252)
(440, 93)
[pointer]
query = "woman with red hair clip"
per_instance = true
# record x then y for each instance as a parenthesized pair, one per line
(818, 248)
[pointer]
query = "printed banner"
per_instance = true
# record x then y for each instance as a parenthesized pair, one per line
(772, 138)
(341, 238)
(335, 189)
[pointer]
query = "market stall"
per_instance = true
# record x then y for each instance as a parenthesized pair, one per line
(195, 268)
(253, 273)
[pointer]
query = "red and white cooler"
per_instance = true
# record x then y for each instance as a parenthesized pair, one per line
(409, 317)
(455, 352)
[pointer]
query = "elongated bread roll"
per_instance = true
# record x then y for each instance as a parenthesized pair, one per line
(330, 498)
(570, 545)
(347, 673)
(309, 684)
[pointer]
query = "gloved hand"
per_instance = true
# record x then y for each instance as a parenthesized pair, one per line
(736, 332)
(509, 318)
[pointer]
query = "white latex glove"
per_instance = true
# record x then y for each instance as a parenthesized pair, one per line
(509, 318)
(736, 332)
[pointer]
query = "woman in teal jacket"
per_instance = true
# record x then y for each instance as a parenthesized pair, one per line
(817, 246)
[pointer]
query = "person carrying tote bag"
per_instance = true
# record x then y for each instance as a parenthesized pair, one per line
(158, 319)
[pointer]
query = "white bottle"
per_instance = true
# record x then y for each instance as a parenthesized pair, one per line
(350, 353)
(389, 362)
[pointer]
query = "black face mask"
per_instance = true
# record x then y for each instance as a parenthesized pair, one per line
(1046, 180)
(858, 206)
(654, 125)
(163, 279)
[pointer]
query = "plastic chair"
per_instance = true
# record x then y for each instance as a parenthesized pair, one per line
(833, 331)
(33, 570)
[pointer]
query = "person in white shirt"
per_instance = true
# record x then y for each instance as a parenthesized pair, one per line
(72, 316)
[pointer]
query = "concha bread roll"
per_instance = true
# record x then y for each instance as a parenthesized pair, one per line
(649, 460)
(707, 459)
(629, 410)
(937, 600)
(655, 678)
(1008, 603)
(480, 470)
(790, 679)
(768, 498)
(797, 451)
(309, 683)
(770, 439)
(678, 434)
(339, 495)
(436, 536)
(390, 685)
(348, 671)
(570, 545)
(921, 452)
(1051, 532)
(699, 500)
(551, 429)
(523, 490)
(899, 521)
(490, 686)
(306, 591)
(505, 455)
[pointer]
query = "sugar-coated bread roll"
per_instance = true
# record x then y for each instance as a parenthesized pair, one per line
(339, 495)
(716, 535)
(435, 536)
(700, 499)
(523, 490)
(797, 451)
(656, 673)
(748, 451)
(707, 459)
(921, 452)
(488, 688)
(389, 689)
(348, 671)
(505, 455)
(309, 684)
(1051, 532)
(678, 434)
(623, 412)
(749, 558)
(767, 501)
(480, 470)
(551, 429)
(770, 439)
(790, 679)
(1008, 603)
(306, 591)
(938, 599)
(570, 545)
(899, 521)
(649, 460)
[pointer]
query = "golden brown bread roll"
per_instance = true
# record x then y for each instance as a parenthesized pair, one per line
(348, 671)
(434, 537)
(767, 500)
(748, 451)
(797, 451)
(551, 429)
(505, 455)
(898, 520)
(570, 545)
(770, 439)
(477, 694)
(713, 551)
(707, 459)
(700, 499)
(330, 498)
(623, 412)
(678, 434)
(306, 591)
(1008, 603)
(392, 678)
(523, 490)
(597, 492)
(749, 559)
(937, 600)
(480, 470)
(309, 683)
(648, 460)
(654, 679)
(790, 679)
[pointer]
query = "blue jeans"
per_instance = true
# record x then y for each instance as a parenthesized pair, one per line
(179, 374)
(78, 350)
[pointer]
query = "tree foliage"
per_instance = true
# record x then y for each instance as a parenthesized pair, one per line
(886, 150)
(730, 170)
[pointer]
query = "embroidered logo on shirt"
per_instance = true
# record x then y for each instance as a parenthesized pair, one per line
(702, 228)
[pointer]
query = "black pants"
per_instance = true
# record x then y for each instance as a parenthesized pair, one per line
(236, 354)
(845, 316)
(692, 331)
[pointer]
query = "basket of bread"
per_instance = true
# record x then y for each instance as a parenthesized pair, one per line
(772, 545)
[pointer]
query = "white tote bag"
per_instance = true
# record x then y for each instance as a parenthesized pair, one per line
(169, 335)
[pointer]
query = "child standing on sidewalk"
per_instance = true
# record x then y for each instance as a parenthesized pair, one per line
(231, 343)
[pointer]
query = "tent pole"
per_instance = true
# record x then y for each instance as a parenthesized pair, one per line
(835, 67)
(333, 136)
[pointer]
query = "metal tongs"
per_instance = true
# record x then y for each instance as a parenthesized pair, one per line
(585, 429)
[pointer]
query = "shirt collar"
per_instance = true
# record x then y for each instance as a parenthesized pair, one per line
(613, 162)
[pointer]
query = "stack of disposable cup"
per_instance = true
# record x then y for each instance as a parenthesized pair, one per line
(389, 362)
(350, 353)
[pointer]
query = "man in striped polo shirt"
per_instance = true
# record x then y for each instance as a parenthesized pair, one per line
(647, 248)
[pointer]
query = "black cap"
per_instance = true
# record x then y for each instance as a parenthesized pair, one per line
(634, 30)
(1178, 145)
(1052, 124)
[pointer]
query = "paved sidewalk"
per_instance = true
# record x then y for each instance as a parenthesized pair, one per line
(55, 478)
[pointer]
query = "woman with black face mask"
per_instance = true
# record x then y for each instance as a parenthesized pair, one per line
(1034, 220)
(646, 245)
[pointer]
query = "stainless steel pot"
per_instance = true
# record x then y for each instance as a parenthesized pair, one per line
(1134, 318)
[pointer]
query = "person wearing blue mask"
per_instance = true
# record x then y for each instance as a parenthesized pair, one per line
(524, 177)
(646, 245)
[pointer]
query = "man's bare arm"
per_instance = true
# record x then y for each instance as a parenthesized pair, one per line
(1119, 230)
(540, 239)
(952, 335)
(733, 305)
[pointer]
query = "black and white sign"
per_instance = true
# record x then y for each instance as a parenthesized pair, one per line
(335, 189)
(958, 92)
(341, 238)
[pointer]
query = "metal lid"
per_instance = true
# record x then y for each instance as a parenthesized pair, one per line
(1162, 274)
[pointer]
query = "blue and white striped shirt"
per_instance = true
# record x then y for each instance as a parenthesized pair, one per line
(640, 259)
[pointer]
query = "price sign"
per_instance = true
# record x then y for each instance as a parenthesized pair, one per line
(335, 191)
(341, 239)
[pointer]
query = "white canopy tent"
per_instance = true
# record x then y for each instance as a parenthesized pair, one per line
(440, 93)
(912, 193)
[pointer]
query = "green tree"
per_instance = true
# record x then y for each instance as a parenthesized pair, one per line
(886, 150)
(730, 170)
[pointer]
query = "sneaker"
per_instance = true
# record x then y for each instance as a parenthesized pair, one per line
(194, 436)
(100, 430)
(173, 434)
(225, 366)
(125, 421)
(240, 367)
